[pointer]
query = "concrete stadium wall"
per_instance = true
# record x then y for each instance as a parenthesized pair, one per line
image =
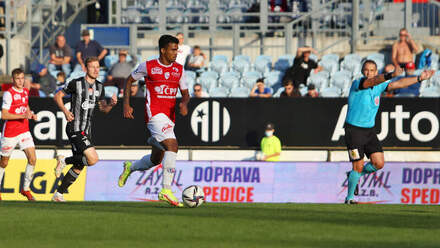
(243, 155)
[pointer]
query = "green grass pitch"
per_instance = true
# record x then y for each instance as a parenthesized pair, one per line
(117, 224)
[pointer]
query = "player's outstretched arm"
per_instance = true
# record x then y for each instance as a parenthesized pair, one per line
(407, 81)
(183, 105)
(59, 101)
(106, 107)
(370, 82)
(128, 110)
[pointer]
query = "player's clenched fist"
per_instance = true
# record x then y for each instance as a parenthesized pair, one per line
(69, 116)
(183, 109)
(128, 112)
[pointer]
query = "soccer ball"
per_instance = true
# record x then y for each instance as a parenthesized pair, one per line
(193, 196)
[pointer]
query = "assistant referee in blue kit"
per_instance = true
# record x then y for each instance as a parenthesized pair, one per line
(363, 104)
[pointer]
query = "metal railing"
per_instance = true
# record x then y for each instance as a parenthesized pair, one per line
(332, 18)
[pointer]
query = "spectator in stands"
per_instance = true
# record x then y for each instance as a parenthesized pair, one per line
(47, 83)
(196, 60)
(260, 90)
(137, 89)
(270, 145)
(403, 49)
(119, 72)
(60, 56)
(183, 51)
(302, 66)
(413, 90)
(311, 91)
(88, 48)
(61, 81)
(198, 91)
(290, 90)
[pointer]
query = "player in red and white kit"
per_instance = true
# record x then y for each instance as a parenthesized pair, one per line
(16, 113)
(163, 78)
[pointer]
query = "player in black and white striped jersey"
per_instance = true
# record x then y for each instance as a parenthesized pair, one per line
(86, 92)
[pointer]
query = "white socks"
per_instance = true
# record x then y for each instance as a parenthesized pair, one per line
(28, 175)
(2, 172)
(143, 164)
(169, 168)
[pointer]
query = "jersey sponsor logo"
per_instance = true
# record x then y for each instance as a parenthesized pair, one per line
(87, 105)
(23, 99)
(156, 70)
(210, 123)
(17, 96)
(20, 110)
(6, 148)
(167, 75)
(167, 127)
(175, 74)
(377, 100)
(400, 118)
(164, 91)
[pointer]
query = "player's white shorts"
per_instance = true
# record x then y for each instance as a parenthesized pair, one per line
(8, 144)
(161, 127)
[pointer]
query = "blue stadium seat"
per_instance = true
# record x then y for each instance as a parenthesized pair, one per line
(241, 65)
(220, 57)
(329, 65)
(210, 74)
(340, 79)
(249, 78)
(351, 63)
(229, 80)
(243, 57)
(190, 74)
(430, 92)
(284, 62)
(219, 92)
(263, 64)
(331, 56)
(278, 92)
(318, 80)
(240, 92)
(111, 90)
(219, 66)
(272, 78)
(207, 82)
(110, 60)
(330, 92)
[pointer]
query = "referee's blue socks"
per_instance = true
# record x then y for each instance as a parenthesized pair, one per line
(368, 168)
(353, 180)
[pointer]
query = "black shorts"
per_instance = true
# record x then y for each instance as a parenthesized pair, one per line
(360, 142)
(402, 65)
(79, 141)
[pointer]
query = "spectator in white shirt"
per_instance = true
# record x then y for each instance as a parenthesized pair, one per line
(198, 92)
(183, 51)
(196, 60)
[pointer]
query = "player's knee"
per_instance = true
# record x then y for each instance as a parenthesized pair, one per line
(92, 161)
(4, 162)
(156, 159)
(172, 147)
(32, 160)
(379, 164)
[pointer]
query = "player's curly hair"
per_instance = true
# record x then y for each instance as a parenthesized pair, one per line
(166, 39)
